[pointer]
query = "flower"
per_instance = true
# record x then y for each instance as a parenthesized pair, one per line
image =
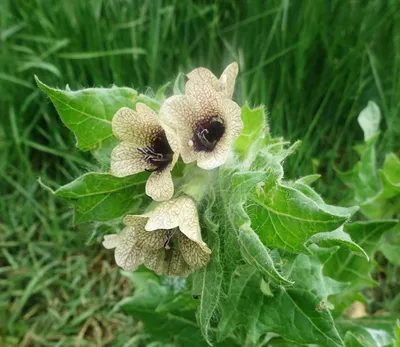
(146, 145)
(225, 85)
(166, 240)
(205, 119)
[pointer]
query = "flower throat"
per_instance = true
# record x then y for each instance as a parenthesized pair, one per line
(159, 154)
(208, 133)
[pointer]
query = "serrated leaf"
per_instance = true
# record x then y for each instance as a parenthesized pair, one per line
(369, 119)
(386, 203)
(286, 216)
(252, 249)
(256, 255)
(167, 309)
(347, 267)
(101, 197)
(165, 326)
(242, 305)
(210, 278)
(307, 273)
(88, 112)
(362, 179)
(338, 237)
(297, 315)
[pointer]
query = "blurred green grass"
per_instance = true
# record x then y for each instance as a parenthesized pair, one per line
(313, 63)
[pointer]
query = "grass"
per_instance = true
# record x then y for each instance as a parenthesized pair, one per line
(313, 63)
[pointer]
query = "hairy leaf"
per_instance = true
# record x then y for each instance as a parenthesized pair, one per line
(167, 309)
(351, 268)
(297, 315)
(286, 215)
(242, 305)
(338, 237)
(307, 273)
(100, 197)
(88, 114)
(209, 279)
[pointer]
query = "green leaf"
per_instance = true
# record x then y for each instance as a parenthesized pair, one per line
(286, 215)
(307, 273)
(242, 305)
(362, 179)
(167, 309)
(252, 249)
(369, 332)
(165, 326)
(254, 128)
(297, 315)
(369, 120)
(247, 314)
(386, 203)
(307, 180)
(256, 255)
(337, 237)
(348, 267)
(88, 112)
(350, 340)
(210, 278)
(390, 247)
(397, 334)
(101, 197)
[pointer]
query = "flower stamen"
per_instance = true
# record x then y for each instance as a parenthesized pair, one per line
(159, 154)
(170, 234)
(208, 133)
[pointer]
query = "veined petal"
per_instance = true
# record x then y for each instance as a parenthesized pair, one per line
(206, 100)
(180, 212)
(211, 160)
(126, 160)
(232, 116)
(228, 78)
(138, 128)
(175, 264)
(159, 185)
(145, 240)
(127, 254)
(154, 260)
(195, 255)
(206, 76)
(110, 241)
(177, 111)
(136, 221)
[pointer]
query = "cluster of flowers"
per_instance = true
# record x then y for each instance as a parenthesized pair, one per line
(198, 126)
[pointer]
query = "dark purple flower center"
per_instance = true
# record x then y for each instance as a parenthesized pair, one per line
(207, 133)
(168, 244)
(159, 154)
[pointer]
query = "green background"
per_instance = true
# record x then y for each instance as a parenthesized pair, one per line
(313, 63)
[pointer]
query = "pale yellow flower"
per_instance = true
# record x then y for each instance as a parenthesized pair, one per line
(166, 240)
(225, 85)
(205, 119)
(146, 145)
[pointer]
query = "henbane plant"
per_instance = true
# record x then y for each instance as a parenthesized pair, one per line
(225, 250)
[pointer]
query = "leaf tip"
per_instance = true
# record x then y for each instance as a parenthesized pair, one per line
(43, 185)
